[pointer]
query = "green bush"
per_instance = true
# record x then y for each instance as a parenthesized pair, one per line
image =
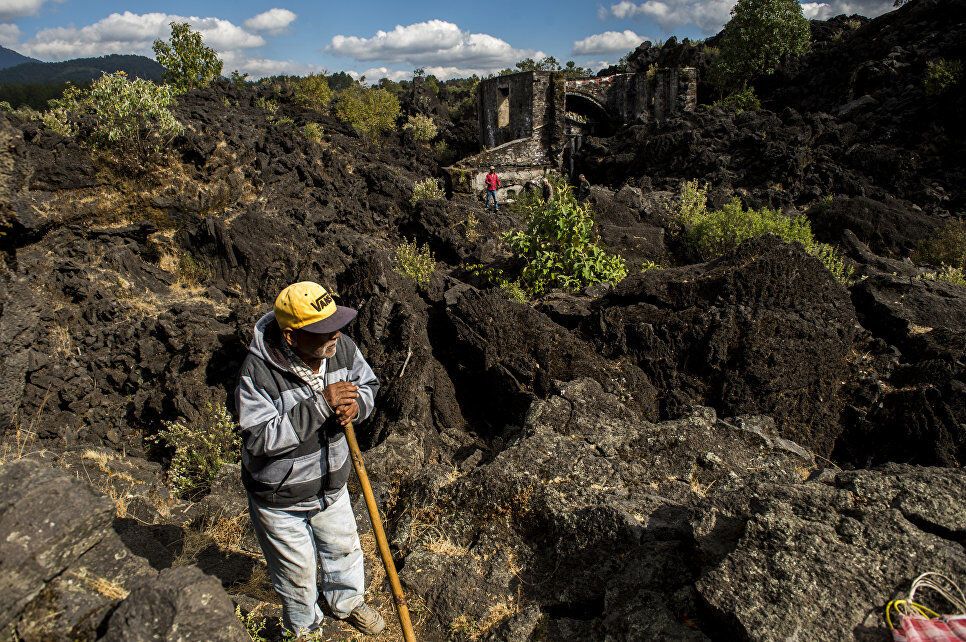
(428, 189)
(369, 111)
(313, 131)
(313, 92)
(188, 63)
(947, 247)
(948, 274)
(559, 246)
(201, 447)
(132, 118)
(941, 74)
(739, 101)
(416, 262)
(760, 34)
(420, 128)
(267, 104)
(713, 233)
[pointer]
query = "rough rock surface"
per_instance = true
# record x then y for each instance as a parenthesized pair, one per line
(68, 573)
(730, 334)
(815, 560)
(180, 604)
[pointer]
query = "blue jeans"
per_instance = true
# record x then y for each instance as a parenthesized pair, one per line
(292, 541)
(491, 193)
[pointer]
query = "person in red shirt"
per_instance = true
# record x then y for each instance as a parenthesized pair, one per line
(492, 184)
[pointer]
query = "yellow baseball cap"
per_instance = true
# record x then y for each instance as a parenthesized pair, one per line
(308, 306)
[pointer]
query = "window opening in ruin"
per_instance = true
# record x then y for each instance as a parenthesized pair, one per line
(503, 110)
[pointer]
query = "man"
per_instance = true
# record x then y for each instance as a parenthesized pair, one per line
(301, 381)
(492, 184)
(546, 190)
(583, 187)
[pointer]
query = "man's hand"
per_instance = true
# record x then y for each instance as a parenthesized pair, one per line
(347, 412)
(340, 393)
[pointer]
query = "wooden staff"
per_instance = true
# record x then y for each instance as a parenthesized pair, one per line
(397, 592)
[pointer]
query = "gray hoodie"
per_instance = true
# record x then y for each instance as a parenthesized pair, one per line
(293, 448)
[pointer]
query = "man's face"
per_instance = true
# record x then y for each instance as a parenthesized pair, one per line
(312, 345)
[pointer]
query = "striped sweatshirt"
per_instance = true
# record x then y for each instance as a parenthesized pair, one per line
(293, 448)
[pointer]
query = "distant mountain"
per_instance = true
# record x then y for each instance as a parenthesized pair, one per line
(10, 58)
(79, 70)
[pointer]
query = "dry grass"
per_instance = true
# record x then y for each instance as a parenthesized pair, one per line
(61, 341)
(101, 585)
(466, 628)
(444, 546)
(24, 439)
(379, 596)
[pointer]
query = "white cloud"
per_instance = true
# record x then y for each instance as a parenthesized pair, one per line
(711, 15)
(255, 67)
(19, 8)
(432, 43)
(826, 10)
(274, 21)
(133, 33)
(9, 34)
(707, 15)
(608, 42)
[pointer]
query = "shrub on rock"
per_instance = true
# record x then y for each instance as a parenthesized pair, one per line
(559, 246)
(369, 111)
(201, 447)
(313, 92)
(130, 118)
(427, 189)
(941, 74)
(713, 233)
(947, 247)
(416, 262)
(420, 128)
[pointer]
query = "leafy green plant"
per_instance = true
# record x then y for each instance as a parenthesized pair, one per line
(941, 74)
(558, 246)
(313, 131)
(760, 34)
(420, 128)
(201, 447)
(371, 112)
(947, 247)
(416, 262)
(188, 63)
(947, 274)
(427, 189)
(647, 265)
(313, 92)
(132, 118)
(267, 104)
(739, 101)
(713, 233)
(254, 625)
(514, 290)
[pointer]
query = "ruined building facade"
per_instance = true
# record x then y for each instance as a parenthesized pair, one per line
(533, 121)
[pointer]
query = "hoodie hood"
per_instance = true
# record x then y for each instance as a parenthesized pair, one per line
(266, 342)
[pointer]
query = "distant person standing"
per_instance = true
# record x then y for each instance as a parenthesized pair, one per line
(583, 187)
(492, 184)
(546, 190)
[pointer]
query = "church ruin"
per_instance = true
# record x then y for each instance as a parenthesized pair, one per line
(534, 121)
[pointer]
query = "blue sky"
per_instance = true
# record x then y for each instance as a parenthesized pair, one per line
(379, 38)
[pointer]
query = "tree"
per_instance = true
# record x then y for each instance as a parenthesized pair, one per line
(760, 34)
(370, 111)
(188, 63)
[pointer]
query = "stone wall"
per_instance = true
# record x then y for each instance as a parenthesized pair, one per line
(523, 117)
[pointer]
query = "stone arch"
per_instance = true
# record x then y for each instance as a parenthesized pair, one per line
(586, 116)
